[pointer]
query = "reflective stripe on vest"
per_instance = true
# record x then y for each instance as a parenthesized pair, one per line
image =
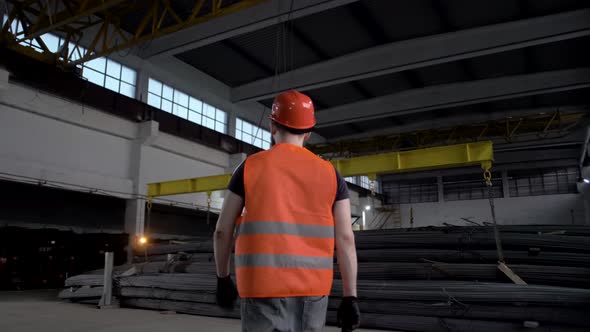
(278, 227)
(285, 239)
(286, 261)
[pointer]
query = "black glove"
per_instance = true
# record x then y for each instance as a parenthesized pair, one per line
(349, 314)
(226, 292)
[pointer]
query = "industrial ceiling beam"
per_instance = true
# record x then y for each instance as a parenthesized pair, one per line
(423, 52)
(456, 94)
(47, 21)
(264, 15)
(463, 119)
(74, 19)
(548, 125)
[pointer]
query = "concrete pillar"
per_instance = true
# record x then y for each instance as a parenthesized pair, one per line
(135, 210)
(141, 90)
(232, 116)
(134, 223)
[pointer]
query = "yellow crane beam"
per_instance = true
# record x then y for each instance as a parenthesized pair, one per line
(478, 153)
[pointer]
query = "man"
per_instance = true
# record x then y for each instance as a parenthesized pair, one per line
(295, 208)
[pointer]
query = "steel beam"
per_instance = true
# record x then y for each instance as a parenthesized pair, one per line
(244, 21)
(67, 16)
(479, 153)
(461, 119)
(456, 94)
(110, 37)
(422, 52)
(186, 186)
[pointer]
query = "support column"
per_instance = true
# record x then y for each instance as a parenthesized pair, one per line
(135, 209)
(141, 91)
(232, 116)
(134, 223)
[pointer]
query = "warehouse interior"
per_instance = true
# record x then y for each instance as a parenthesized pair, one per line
(121, 122)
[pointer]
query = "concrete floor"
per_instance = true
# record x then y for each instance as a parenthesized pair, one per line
(34, 311)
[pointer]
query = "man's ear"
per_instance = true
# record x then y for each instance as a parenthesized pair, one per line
(306, 136)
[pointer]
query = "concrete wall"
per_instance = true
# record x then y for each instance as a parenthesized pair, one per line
(46, 137)
(548, 209)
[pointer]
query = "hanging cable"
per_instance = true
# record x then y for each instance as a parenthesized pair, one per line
(208, 206)
(488, 180)
(282, 35)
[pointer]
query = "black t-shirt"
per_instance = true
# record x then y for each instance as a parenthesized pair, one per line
(236, 184)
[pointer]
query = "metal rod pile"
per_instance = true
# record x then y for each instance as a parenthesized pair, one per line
(433, 279)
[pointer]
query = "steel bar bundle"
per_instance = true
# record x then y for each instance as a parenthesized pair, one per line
(535, 274)
(428, 279)
(576, 230)
(468, 291)
(81, 293)
(471, 240)
(202, 309)
(536, 257)
(192, 247)
(167, 294)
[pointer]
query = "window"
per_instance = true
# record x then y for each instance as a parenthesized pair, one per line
(111, 75)
(549, 181)
(365, 182)
(187, 107)
(252, 134)
(102, 71)
(471, 186)
(362, 181)
(411, 191)
(352, 179)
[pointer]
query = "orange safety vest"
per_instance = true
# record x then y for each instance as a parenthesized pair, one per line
(285, 238)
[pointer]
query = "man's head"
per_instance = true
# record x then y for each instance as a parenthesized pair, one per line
(292, 117)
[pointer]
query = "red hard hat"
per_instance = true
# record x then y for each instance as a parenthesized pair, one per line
(294, 110)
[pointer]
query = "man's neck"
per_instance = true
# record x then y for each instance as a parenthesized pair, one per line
(290, 139)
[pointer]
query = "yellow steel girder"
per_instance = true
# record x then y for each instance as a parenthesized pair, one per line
(185, 186)
(479, 153)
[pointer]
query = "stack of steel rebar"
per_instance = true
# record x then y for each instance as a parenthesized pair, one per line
(432, 279)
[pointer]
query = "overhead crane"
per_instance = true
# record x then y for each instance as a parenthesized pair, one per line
(459, 155)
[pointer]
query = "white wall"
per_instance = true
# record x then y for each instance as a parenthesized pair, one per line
(47, 137)
(548, 209)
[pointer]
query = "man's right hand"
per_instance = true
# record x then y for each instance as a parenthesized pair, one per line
(349, 314)
(226, 292)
